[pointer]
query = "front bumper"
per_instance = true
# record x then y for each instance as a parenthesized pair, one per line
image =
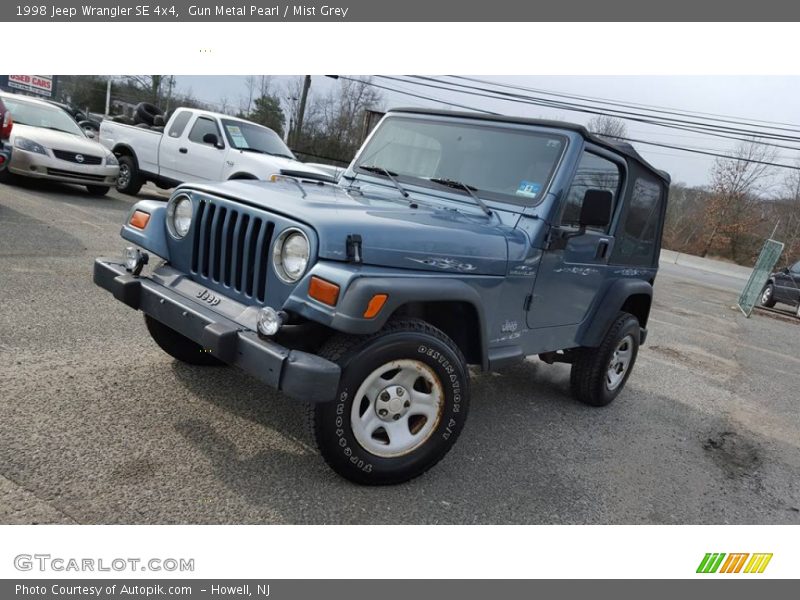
(40, 166)
(300, 375)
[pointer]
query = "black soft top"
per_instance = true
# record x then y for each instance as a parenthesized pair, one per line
(619, 147)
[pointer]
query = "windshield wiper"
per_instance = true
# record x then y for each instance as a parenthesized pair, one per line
(388, 174)
(452, 183)
(263, 152)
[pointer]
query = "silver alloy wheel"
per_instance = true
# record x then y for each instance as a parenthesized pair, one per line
(766, 294)
(124, 176)
(619, 363)
(397, 408)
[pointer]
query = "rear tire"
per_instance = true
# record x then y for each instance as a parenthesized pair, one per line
(402, 401)
(6, 176)
(179, 346)
(129, 180)
(599, 374)
(768, 296)
(98, 190)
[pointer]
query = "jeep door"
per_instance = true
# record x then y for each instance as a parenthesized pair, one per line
(569, 278)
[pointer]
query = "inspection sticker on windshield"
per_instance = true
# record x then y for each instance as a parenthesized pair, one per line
(529, 189)
(236, 134)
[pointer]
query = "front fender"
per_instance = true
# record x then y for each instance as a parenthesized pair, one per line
(154, 236)
(359, 284)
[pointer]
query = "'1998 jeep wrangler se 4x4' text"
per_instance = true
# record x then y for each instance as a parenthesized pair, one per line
(453, 239)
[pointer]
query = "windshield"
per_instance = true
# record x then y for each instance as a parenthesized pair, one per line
(39, 115)
(249, 136)
(499, 163)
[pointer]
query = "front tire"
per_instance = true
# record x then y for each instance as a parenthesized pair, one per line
(98, 190)
(179, 346)
(402, 401)
(768, 296)
(599, 374)
(129, 180)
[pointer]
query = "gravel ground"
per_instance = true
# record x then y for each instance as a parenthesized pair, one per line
(99, 426)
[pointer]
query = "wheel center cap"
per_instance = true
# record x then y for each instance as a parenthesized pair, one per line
(392, 403)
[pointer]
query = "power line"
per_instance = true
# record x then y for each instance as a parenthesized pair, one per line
(692, 126)
(634, 140)
(656, 108)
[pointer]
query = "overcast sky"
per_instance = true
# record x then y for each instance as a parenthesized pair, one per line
(748, 97)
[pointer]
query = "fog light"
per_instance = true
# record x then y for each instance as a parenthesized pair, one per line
(135, 260)
(269, 321)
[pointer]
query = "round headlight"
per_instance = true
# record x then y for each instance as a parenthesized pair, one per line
(179, 216)
(290, 255)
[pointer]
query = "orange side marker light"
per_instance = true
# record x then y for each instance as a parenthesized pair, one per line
(375, 305)
(139, 219)
(324, 291)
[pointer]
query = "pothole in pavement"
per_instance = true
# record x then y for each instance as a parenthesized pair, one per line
(738, 457)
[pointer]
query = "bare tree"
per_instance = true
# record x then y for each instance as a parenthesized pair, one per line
(607, 126)
(153, 85)
(737, 185)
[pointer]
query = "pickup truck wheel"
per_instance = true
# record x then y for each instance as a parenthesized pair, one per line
(98, 190)
(599, 374)
(402, 402)
(768, 296)
(128, 181)
(178, 346)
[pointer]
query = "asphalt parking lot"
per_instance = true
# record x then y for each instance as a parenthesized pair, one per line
(97, 425)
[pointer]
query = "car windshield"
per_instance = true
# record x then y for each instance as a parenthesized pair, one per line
(497, 162)
(249, 136)
(39, 115)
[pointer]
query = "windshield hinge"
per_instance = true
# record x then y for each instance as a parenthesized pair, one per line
(354, 248)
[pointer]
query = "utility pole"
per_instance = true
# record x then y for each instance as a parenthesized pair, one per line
(108, 97)
(301, 111)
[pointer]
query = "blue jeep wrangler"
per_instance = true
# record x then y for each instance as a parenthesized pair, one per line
(453, 239)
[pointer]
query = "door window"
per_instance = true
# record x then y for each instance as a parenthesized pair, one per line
(594, 172)
(201, 127)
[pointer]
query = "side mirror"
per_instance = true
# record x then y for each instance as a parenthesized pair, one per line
(211, 139)
(89, 133)
(785, 270)
(596, 209)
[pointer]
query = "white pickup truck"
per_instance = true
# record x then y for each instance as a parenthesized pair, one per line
(197, 145)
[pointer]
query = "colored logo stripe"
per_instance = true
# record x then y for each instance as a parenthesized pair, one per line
(758, 563)
(733, 564)
(710, 562)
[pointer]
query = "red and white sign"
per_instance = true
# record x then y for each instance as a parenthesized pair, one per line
(38, 84)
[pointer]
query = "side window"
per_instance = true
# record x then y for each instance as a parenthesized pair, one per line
(179, 123)
(796, 268)
(637, 231)
(594, 172)
(202, 126)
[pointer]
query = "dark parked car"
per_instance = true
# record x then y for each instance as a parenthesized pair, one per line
(783, 286)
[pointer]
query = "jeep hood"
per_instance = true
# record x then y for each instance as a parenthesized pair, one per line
(393, 234)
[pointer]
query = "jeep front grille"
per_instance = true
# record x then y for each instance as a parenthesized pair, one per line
(231, 248)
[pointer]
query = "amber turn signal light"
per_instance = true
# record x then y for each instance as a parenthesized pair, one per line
(324, 291)
(139, 219)
(375, 305)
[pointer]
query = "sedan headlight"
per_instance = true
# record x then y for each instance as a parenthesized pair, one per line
(179, 216)
(290, 255)
(29, 145)
(111, 161)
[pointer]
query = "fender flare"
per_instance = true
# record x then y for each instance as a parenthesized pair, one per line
(123, 148)
(348, 316)
(594, 327)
